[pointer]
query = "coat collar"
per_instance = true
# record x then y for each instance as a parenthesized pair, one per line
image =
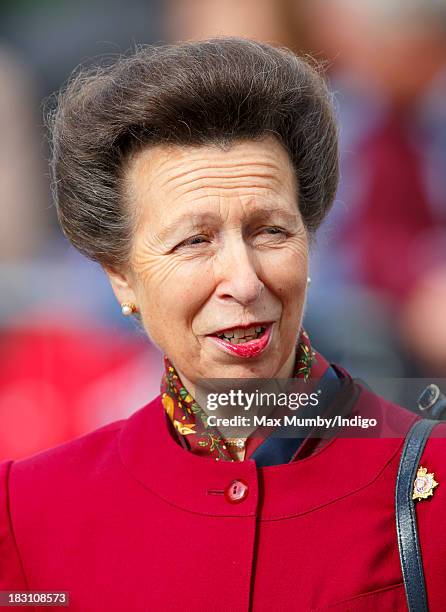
(152, 455)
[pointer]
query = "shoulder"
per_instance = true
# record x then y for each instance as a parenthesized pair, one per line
(25, 479)
(72, 457)
(58, 472)
(398, 420)
(55, 485)
(89, 458)
(394, 423)
(430, 512)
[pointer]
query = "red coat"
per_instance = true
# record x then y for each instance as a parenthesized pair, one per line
(126, 519)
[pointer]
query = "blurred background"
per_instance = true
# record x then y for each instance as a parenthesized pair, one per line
(377, 301)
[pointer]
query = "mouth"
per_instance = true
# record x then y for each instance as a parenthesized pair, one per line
(244, 341)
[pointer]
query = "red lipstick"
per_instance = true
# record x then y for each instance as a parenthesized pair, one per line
(252, 348)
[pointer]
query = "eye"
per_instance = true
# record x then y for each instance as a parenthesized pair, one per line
(274, 230)
(270, 235)
(193, 241)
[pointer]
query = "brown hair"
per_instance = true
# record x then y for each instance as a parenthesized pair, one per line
(215, 91)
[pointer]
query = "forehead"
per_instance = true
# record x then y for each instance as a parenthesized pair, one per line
(162, 179)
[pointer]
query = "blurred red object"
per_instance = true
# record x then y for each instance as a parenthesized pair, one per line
(56, 384)
(394, 213)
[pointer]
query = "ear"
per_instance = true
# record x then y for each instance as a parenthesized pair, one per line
(122, 285)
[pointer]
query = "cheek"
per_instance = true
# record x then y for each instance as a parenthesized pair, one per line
(171, 292)
(287, 274)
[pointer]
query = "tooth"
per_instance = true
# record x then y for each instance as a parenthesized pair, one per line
(242, 340)
(258, 329)
(228, 334)
(235, 340)
(239, 333)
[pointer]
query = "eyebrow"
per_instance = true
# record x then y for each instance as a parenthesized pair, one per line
(198, 220)
(189, 219)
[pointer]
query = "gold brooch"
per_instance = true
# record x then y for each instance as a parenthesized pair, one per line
(424, 484)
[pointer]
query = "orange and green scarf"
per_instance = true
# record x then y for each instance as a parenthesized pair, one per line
(190, 420)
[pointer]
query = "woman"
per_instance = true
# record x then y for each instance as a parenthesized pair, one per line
(197, 174)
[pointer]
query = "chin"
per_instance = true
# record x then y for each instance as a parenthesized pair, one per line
(244, 370)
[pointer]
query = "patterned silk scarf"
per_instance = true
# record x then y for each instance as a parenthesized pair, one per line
(189, 419)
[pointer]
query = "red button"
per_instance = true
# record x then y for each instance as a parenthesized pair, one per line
(236, 491)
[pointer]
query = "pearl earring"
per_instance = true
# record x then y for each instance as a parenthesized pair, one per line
(127, 308)
(308, 280)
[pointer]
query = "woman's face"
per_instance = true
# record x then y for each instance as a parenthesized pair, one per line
(219, 245)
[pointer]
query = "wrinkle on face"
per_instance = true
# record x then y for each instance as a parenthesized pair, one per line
(238, 270)
(203, 176)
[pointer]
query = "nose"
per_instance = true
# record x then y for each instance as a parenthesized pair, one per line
(236, 275)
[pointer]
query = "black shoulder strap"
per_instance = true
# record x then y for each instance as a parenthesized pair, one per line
(406, 520)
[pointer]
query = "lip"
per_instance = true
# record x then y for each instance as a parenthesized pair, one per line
(245, 326)
(250, 349)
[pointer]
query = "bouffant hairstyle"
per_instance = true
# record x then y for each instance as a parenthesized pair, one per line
(211, 92)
